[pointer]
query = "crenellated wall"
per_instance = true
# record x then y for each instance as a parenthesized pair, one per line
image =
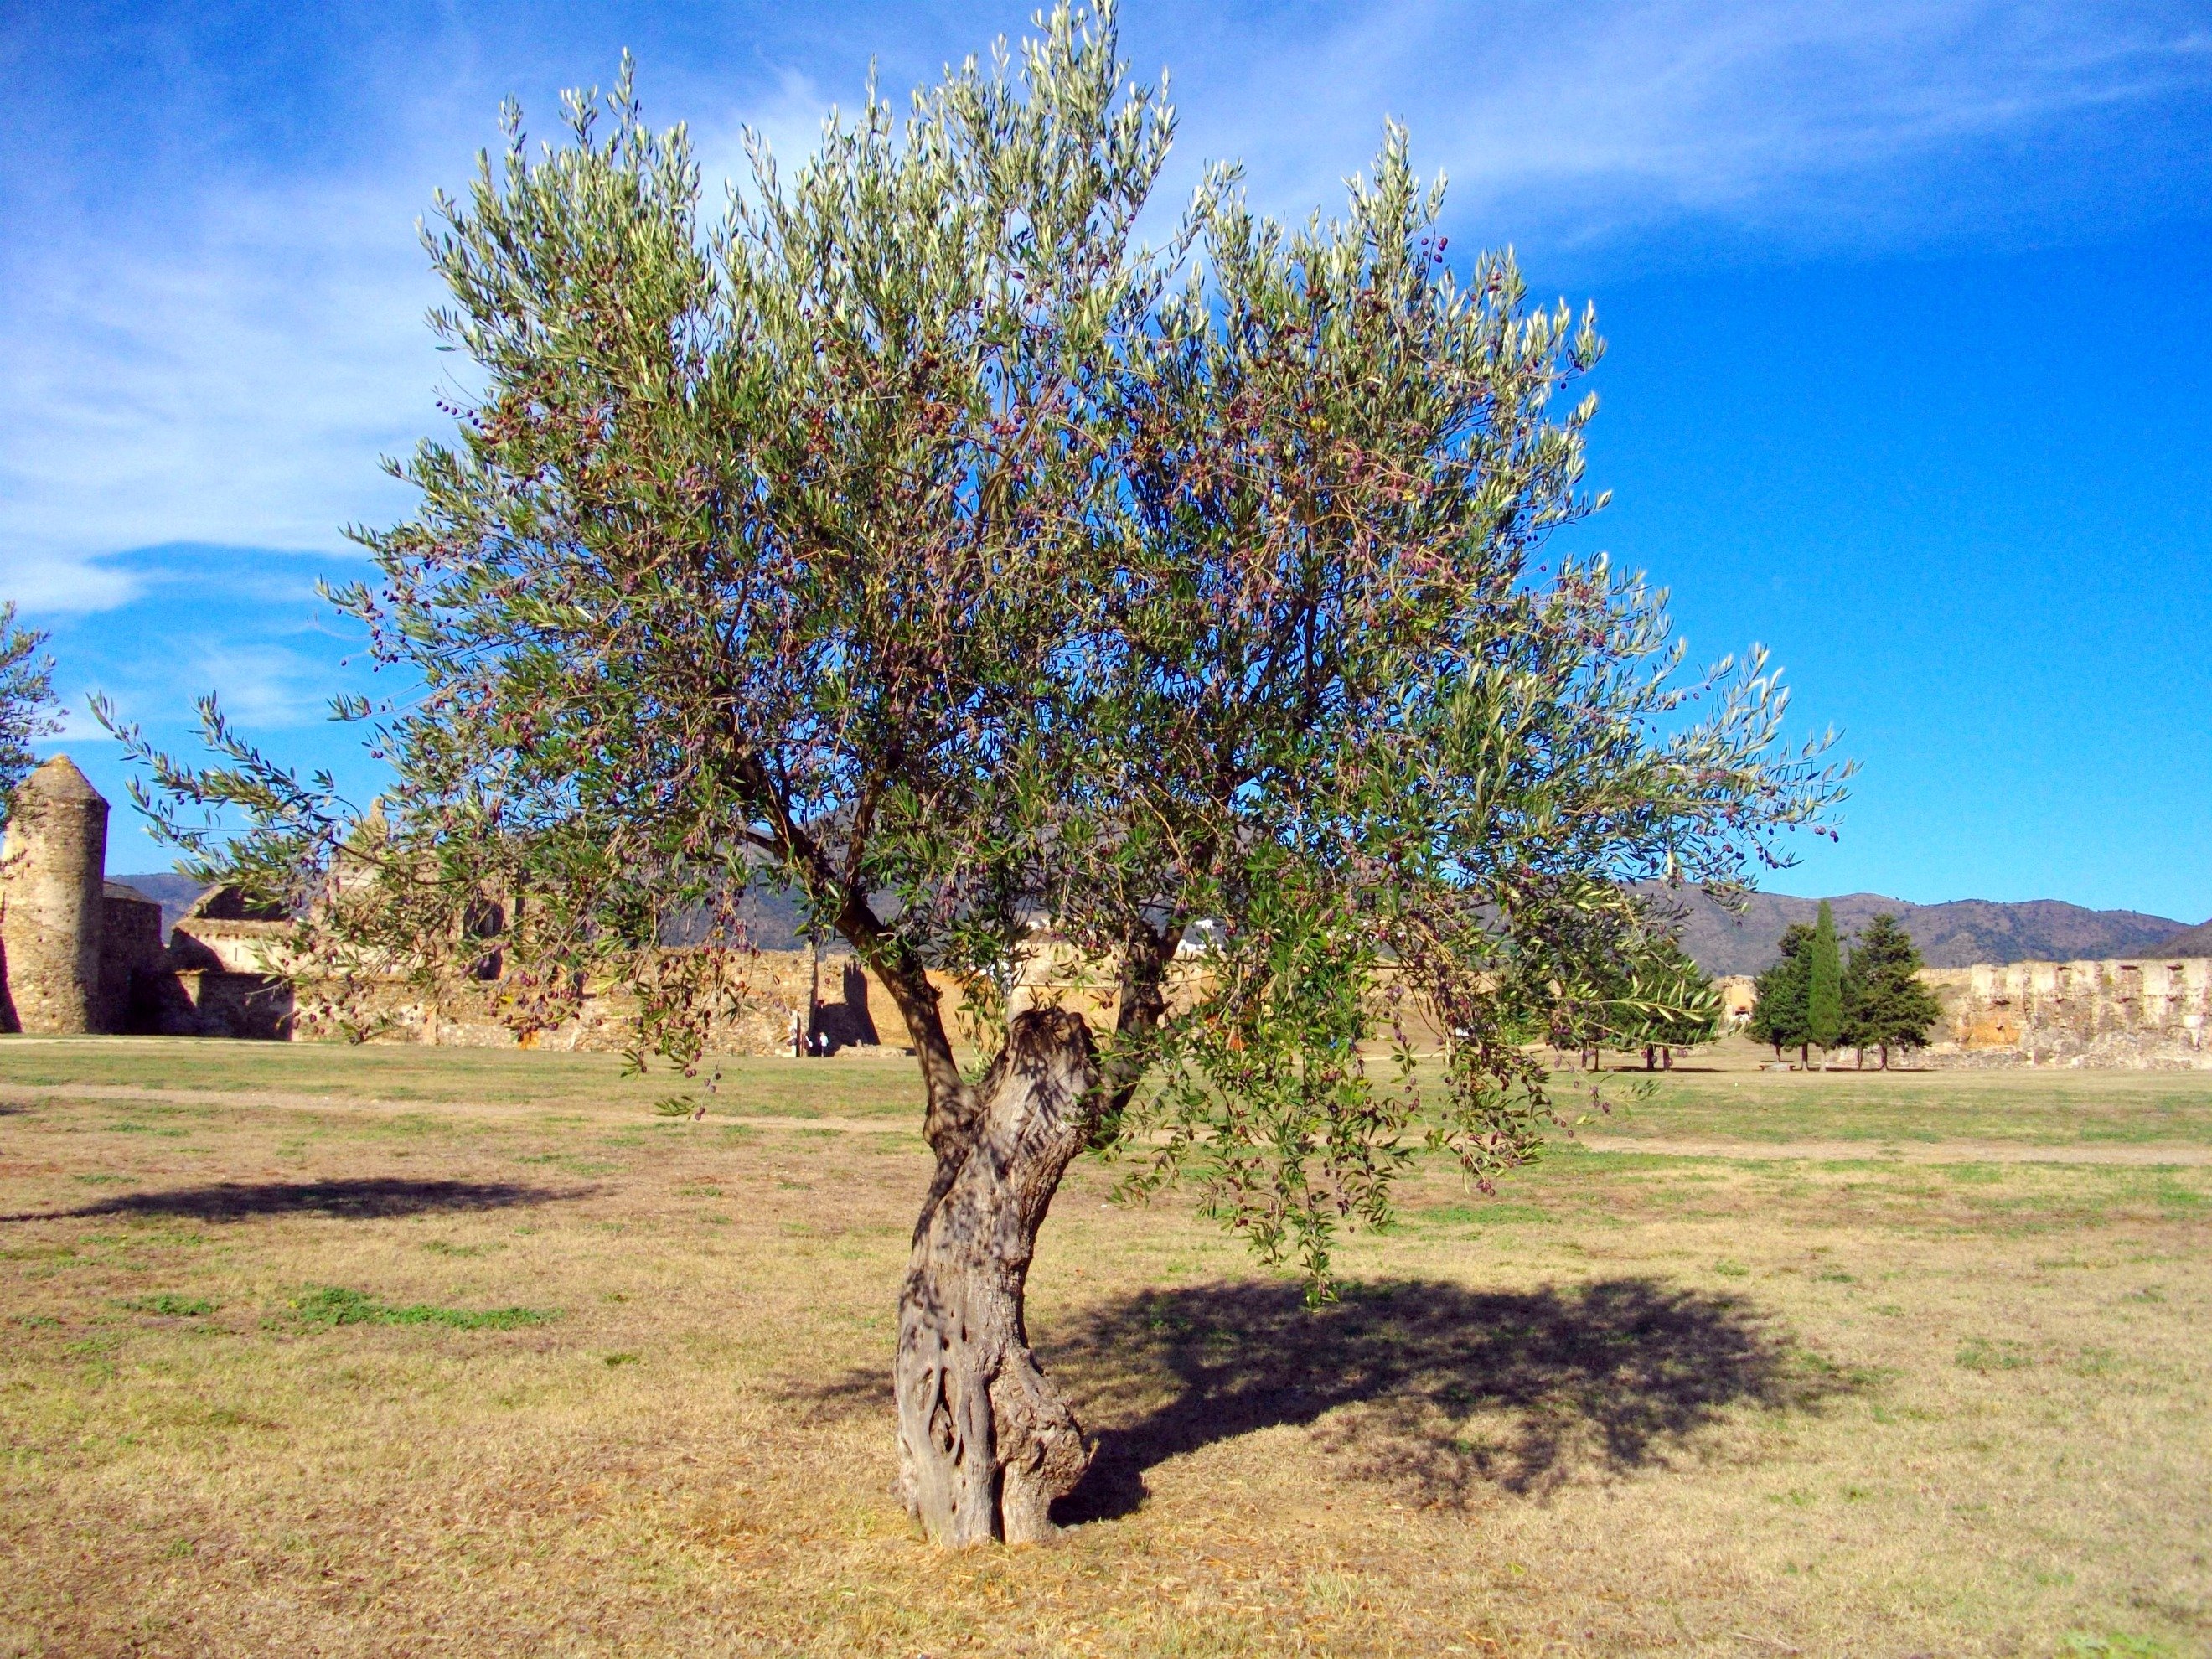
(2130, 1013)
(81, 955)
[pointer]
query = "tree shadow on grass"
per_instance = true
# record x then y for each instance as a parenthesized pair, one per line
(1429, 1387)
(370, 1197)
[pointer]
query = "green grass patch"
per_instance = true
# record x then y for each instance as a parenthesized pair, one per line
(2024, 1108)
(174, 1306)
(422, 1076)
(1500, 1214)
(1980, 1354)
(571, 1162)
(335, 1305)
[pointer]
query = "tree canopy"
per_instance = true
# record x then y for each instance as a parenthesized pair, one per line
(1885, 1004)
(1655, 998)
(912, 539)
(1779, 1011)
(1823, 982)
(28, 711)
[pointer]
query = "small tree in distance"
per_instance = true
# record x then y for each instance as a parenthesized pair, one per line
(1663, 1001)
(1778, 1014)
(915, 542)
(1885, 1004)
(28, 711)
(1824, 983)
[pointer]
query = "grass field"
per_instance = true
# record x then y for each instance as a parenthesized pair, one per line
(397, 1351)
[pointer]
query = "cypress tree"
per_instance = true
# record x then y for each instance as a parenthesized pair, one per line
(1824, 994)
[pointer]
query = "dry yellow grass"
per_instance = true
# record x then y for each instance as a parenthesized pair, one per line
(1643, 1403)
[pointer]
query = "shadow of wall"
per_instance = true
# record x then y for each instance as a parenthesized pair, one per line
(847, 1023)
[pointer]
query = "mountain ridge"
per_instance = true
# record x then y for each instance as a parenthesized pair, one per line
(1956, 933)
(2194, 942)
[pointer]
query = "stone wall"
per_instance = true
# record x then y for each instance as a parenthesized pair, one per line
(853, 1011)
(201, 944)
(81, 954)
(1739, 995)
(2136, 1014)
(213, 1003)
(131, 952)
(52, 877)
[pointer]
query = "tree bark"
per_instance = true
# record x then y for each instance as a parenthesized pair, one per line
(985, 1442)
(1141, 1008)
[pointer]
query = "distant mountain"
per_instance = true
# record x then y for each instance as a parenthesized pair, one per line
(2195, 942)
(174, 892)
(1952, 935)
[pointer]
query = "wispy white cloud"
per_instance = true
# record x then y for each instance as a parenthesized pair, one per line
(788, 118)
(223, 352)
(1828, 121)
(227, 362)
(232, 377)
(244, 622)
(263, 686)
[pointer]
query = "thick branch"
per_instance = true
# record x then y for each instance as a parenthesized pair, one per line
(1142, 1005)
(951, 1108)
(951, 1102)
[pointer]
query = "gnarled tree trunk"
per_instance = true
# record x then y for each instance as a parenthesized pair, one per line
(985, 1442)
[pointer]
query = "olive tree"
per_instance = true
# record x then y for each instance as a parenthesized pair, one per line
(911, 538)
(27, 711)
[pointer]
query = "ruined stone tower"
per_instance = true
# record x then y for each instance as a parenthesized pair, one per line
(52, 880)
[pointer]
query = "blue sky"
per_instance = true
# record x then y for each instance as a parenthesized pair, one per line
(1910, 373)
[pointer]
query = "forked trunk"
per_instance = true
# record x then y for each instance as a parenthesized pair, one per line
(985, 1442)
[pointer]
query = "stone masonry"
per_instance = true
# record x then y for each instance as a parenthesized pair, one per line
(79, 953)
(82, 953)
(52, 880)
(2145, 1014)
